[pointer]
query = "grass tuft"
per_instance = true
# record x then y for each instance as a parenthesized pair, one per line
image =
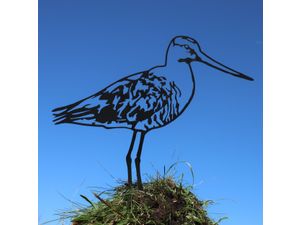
(163, 201)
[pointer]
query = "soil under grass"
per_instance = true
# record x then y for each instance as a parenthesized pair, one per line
(163, 201)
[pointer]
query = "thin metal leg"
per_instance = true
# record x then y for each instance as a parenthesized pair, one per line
(138, 162)
(128, 159)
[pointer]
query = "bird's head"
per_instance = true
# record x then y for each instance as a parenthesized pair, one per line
(185, 49)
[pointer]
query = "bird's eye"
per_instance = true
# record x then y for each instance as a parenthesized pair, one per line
(186, 46)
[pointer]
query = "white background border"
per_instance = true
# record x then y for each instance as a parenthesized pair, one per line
(18, 113)
(281, 112)
(18, 93)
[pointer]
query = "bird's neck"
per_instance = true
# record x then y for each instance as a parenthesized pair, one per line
(182, 75)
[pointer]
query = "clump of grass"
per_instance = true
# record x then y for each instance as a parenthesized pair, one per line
(163, 201)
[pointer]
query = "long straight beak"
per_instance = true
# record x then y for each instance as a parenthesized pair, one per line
(206, 59)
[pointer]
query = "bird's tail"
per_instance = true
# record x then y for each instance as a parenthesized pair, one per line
(70, 113)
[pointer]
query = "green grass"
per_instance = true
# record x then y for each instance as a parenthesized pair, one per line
(163, 201)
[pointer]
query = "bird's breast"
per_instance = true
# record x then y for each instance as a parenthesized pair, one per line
(178, 89)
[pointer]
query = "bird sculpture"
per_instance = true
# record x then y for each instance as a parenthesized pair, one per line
(145, 100)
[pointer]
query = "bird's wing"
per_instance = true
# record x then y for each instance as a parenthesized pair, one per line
(122, 104)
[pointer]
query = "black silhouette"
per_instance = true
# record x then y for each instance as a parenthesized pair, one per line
(146, 100)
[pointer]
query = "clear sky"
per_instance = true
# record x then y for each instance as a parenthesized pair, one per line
(84, 45)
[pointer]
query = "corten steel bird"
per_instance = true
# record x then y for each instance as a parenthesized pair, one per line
(146, 100)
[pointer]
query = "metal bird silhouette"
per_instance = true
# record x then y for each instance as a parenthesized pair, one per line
(145, 100)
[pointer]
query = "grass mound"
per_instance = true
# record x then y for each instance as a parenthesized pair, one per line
(163, 201)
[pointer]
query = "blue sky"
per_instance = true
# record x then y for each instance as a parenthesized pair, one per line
(86, 45)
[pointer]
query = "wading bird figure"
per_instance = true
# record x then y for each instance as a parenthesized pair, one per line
(145, 100)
